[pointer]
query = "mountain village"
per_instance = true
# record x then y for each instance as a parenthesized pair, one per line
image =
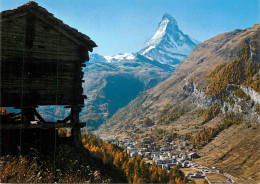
(167, 156)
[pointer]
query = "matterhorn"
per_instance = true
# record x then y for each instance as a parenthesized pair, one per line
(169, 45)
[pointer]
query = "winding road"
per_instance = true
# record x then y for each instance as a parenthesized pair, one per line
(203, 169)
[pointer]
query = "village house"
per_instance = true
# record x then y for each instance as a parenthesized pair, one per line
(193, 155)
(146, 140)
(197, 175)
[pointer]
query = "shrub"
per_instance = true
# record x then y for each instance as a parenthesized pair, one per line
(231, 100)
(173, 114)
(147, 121)
(211, 112)
(240, 93)
(166, 108)
(257, 107)
(63, 132)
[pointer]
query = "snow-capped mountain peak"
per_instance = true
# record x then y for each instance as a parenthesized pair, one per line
(169, 17)
(169, 45)
(158, 36)
(168, 22)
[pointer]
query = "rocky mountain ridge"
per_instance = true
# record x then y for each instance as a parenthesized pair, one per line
(169, 44)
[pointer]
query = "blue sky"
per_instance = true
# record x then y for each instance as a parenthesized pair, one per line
(119, 26)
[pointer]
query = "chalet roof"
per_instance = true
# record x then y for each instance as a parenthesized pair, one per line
(35, 8)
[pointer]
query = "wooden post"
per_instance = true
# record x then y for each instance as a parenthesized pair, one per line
(38, 116)
(75, 131)
(0, 141)
(27, 115)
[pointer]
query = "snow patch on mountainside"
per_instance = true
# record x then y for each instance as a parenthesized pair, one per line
(119, 57)
(148, 49)
(158, 36)
(194, 40)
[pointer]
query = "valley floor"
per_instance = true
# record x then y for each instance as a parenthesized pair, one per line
(232, 156)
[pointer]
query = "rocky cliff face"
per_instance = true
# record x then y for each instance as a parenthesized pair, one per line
(245, 105)
(255, 96)
(200, 98)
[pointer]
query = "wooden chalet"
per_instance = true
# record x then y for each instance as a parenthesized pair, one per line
(41, 64)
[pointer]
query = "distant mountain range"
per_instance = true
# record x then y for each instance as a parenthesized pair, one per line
(111, 82)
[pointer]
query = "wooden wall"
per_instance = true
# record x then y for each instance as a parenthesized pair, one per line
(39, 64)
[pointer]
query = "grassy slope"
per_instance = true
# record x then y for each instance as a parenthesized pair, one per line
(235, 151)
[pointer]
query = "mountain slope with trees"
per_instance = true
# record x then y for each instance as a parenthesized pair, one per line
(214, 90)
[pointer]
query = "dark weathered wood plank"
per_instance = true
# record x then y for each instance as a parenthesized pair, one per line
(41, 126)
(40, 50)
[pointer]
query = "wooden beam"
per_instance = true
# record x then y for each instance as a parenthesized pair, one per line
(75, 131)
(70, 106)
(65, 120)
(56, 27)
(39, 116)
(12, 17)
(41, 126)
